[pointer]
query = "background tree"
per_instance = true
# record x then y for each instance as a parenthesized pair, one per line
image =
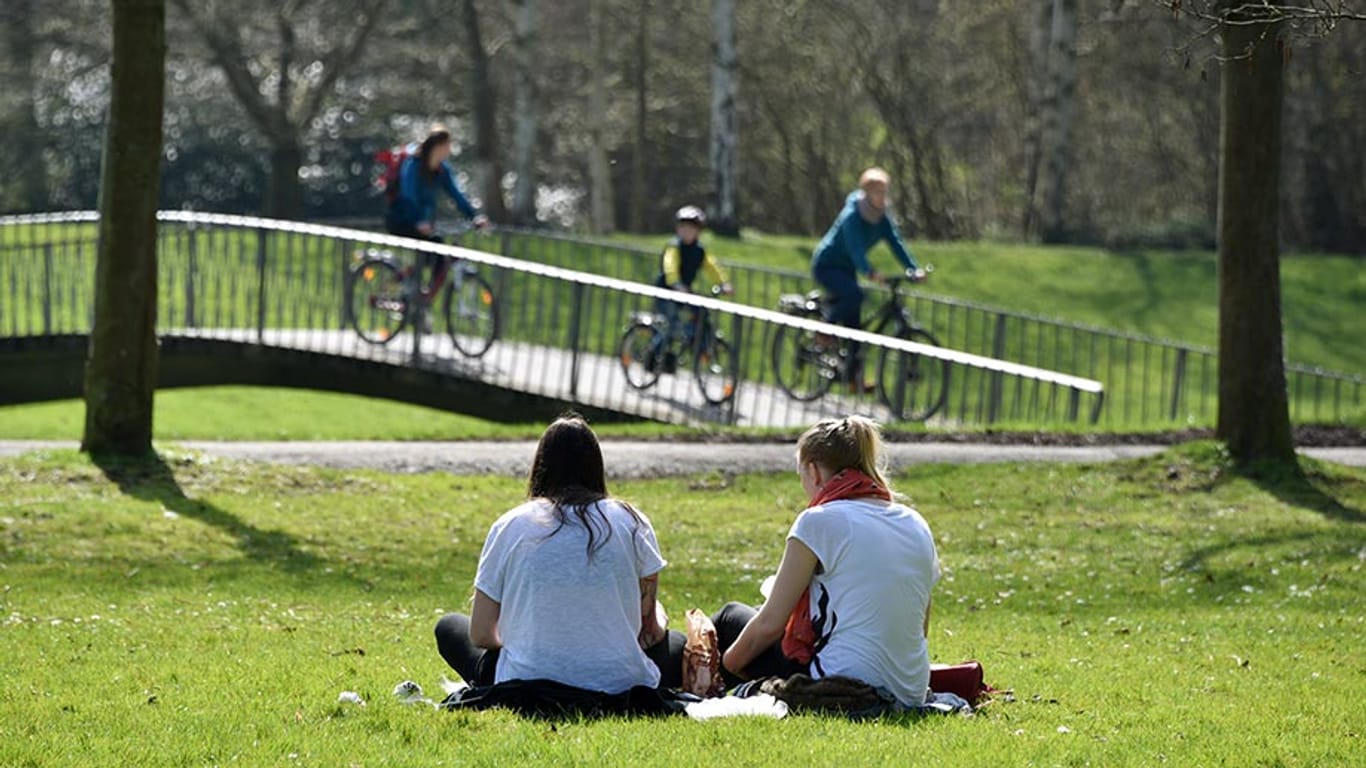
(488, 162)
(311, 44)
(601, 211)
(18, 110)
(1254, 416)
(121, 368)
(526, 98)
(725, 137)
(1052, 87)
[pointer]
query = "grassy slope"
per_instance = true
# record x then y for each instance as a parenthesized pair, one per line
(1165, 294)
(1141, 612)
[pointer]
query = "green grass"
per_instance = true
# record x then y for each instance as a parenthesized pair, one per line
(202, 612)
(266, 413)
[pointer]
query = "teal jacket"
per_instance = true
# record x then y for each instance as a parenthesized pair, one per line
(845, 246)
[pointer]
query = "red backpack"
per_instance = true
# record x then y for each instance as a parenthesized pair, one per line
(392, 160)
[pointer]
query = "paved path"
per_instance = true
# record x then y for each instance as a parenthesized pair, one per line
(638, 458)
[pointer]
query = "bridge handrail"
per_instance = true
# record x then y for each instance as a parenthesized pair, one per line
(952, 301)
(1069, 381)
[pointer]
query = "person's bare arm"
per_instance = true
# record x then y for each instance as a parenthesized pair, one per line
(766, 628)
(484, 622)
(652, 619)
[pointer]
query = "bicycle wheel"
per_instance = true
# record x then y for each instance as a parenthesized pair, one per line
(378, 304)
(801, 369)
(471, 313)
(714, 369)
(639, 355)
(912, 386)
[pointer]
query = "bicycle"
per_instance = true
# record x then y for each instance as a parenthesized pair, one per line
(807, 364)
(648, 350)
(384, 298)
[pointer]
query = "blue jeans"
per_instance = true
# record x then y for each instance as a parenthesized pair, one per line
(846, 308)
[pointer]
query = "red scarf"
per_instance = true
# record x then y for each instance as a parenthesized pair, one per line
(799, 638)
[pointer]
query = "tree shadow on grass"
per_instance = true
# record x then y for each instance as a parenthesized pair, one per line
(1302, 485)
(1306, 486)
(151, 479)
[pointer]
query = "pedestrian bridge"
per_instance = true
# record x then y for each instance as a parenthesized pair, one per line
(264, 302)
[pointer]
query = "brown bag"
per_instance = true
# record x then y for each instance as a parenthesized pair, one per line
(702, 657)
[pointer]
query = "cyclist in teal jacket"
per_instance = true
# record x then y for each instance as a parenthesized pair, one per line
(843, 254)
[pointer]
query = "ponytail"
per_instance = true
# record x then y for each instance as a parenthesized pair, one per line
(851, 442)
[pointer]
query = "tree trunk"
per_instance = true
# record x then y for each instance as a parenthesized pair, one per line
(284, 194)
(638, 149)
(488, 165)
(724, 133)
(1057, 125)
(1048, 127)
(121, 368)
(23, 134)
(1040, 29)
(1254, 418)
(600, 210)
(526, 103)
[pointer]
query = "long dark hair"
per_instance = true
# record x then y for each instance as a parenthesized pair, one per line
(568, 472)
(438, 136)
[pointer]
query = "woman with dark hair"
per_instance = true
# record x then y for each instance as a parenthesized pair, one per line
(412, 208)
(566, 584)
(412, 212)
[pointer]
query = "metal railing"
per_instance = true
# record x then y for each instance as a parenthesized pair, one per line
(1148, 381)
(285, 284)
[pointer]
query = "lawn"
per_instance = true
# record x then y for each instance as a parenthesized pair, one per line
(196, 611)
(267, 413)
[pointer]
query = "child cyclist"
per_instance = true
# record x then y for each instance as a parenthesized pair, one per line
(682, 259)
(843, 253)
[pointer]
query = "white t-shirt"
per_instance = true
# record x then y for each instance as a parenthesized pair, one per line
(566, 616)
(868, 604)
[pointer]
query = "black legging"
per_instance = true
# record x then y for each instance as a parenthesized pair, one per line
(432, 261)
(729, 621)
(477, 665)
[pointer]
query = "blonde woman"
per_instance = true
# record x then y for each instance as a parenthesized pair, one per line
(852, 593)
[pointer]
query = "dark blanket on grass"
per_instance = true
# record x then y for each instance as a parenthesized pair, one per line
(547, 698)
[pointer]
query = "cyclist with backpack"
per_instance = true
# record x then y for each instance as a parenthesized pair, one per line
(410, 184)
(682, 259)
(843, 253)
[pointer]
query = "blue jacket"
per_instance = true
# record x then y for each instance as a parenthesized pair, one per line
(847, 243)
(416, 200)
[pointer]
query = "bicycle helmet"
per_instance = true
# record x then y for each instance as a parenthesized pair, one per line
(691, 214)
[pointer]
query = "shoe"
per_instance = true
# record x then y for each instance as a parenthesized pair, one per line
(652, 364)
(670, 362)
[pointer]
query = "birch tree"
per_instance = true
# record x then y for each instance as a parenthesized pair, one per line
(600, 208)
(724, 131)
(121, 365)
